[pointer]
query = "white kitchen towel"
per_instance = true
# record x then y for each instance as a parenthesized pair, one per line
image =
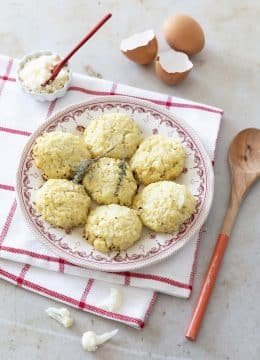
(27, 262)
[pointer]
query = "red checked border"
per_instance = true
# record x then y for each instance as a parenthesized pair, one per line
(168, 103)
(20, 280)
(71, 301)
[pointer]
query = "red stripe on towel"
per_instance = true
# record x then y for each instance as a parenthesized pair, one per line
(15, 131)
(7, 187)
(158, 278)
(7, 72)
(158, 102)
(86, 291)
(8, 222)
(23, 272)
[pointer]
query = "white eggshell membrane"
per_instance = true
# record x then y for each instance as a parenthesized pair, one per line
(174, 61)
(137, 40)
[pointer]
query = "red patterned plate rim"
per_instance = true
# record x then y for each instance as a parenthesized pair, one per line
(117, 264)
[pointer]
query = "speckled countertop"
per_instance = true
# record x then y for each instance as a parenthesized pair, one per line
(226, 74)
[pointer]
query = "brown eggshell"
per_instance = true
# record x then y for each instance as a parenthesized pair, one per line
(144, 54)
(170, 78)
(172, 67)
(183, 33)
(141, 47)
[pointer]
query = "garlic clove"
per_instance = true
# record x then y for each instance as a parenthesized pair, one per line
(90, 340)
(106, 336)
(172, 67)
(61, 315)
(113, 302)
(140, 48)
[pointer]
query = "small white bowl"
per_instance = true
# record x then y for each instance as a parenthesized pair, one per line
(41, 96)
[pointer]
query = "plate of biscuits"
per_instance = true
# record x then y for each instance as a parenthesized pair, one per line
(114, 183)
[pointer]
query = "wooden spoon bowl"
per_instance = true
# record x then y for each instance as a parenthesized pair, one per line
(244, 159)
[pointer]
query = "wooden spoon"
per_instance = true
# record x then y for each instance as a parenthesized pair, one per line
(244, 160)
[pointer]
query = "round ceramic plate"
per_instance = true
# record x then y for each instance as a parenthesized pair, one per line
(152, 247)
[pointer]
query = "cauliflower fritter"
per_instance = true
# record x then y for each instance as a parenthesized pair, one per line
(158, 158)
(112, 227)
(115, 130)
(63, 203)
(110, 181)
(58, 153)
(164, 206)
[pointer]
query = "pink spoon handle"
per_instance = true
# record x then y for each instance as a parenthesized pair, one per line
(59, 66)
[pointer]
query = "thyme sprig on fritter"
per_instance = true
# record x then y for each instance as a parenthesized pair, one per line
(122, 172)
(81, 170)
(84, 166)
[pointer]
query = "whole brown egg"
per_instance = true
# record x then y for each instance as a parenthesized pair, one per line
(183, 33)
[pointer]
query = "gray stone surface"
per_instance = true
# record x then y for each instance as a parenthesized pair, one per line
(226, 74)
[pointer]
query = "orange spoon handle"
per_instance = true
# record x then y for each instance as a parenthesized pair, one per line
(207, 286)
(214, 265)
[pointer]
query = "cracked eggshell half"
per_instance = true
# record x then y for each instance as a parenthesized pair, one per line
(172, 67)
(141, 48)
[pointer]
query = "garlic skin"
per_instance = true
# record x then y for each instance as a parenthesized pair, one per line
(61, 315)
(113, 302)
(90, 340)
